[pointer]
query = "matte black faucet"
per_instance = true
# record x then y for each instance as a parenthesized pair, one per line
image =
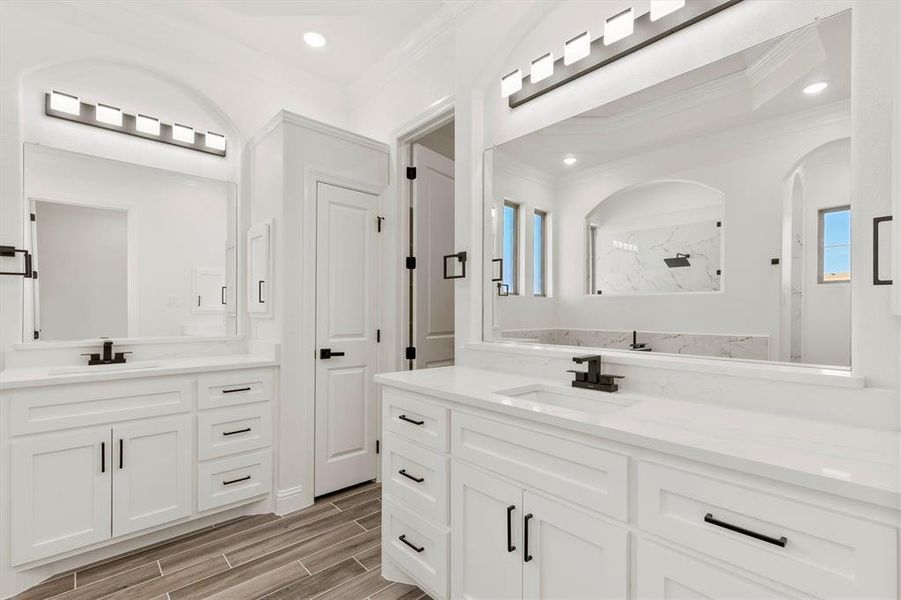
(593, 379)
(636, 346)
(109, 358)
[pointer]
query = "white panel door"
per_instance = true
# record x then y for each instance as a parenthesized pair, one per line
(667, 575)
(59, 492)
(152, 482)
(571, 554)
(346, 323)
(433, 205)
(487, 560)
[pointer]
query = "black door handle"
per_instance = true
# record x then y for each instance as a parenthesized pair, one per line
(121, 453)
(510, 546)
(409, 420)
(404, 539)
(222, 296)
(326, 353)
(781, 541)
(260, 291)
(413, 477)
(876, 279)
(103, 457)
(525, 537)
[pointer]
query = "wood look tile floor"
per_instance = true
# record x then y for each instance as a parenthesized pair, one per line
(329, 551)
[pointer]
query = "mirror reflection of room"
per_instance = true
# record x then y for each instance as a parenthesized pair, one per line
(708, 215)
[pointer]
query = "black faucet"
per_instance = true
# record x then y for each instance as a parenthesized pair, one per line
(636, 346)
(108, 357)
(593, 379)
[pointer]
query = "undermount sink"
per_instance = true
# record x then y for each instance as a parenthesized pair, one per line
(102, 368)
(570, 398)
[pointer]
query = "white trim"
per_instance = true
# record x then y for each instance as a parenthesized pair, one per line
(840, 378)
(291, 499)
(286, 116)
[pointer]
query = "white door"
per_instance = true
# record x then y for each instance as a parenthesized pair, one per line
(151, 473)
(346, 350)
(486, 522)
(59, 492)
(572, 554)
(433, 207)
(666, 575)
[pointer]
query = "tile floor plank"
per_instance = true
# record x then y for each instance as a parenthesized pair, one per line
(173, 581)
(359, 587)
(48, 588)
(264, 584)
(351, 491)
(398, 591)
(324, 581)
(338, 553)
(371, 557)
(351, 501)
(111, 585)
(371, 521)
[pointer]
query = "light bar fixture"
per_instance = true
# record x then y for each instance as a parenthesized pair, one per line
(624, 33)
(71, 108)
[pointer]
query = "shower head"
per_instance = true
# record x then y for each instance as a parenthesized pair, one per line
(680, 260)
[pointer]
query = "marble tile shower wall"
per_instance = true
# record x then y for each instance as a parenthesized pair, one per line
(696, 344)
(631, 262)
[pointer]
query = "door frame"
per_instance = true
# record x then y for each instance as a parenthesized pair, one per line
(312, 179)
(437, 116)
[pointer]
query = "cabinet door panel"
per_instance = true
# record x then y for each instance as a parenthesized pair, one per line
(484, 569)
(152, 473)
(59, 492)
(574, 555)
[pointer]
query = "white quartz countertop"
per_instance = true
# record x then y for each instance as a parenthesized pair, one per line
(40, 376)
(854, 462)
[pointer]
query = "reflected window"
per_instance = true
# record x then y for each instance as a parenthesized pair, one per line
(835, 245)
(539, 254)
(511, 246)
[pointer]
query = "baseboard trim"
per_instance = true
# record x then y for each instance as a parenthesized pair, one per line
(290, 500)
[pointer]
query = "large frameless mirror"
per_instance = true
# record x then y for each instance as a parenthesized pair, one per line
(127, 251)
(708, 215)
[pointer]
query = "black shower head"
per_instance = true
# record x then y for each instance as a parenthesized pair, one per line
(680, 260)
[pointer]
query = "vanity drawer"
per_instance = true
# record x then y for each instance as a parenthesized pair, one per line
(227, 480)
(415, 419)
(233, 430)
(825, 553)
(417, 477)
(418, 546)
(595, 478)
(50, 408)
(234, 387)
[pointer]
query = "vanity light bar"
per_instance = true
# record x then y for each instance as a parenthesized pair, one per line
(623, 35)
(71, 108)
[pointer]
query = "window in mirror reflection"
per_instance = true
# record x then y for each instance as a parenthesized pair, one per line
(511, 246)
(835, 245)
(539, 254)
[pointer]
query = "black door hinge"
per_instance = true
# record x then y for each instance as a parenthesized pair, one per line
(410, 353)
(378, 336)
(378, 226)
(378, 447)
(37, 334)
(411, 172)
(33, 217)
(411, 262)
(34, 274)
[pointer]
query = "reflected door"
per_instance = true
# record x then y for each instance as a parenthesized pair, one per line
(346, 322)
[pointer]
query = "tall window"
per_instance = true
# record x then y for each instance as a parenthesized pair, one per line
(539, 254)
(511, 246)
(835, 245)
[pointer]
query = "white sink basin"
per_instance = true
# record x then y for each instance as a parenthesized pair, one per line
(102, 368)
(589, 401)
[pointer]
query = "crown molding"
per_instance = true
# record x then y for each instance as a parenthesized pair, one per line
(286, 116)
(504, 163)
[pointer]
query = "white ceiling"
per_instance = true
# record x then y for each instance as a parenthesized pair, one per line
(760, 84)
(358, 33)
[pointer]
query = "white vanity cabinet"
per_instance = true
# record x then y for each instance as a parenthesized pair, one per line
(540, 511)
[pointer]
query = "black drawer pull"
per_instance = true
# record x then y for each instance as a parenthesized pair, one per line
(708, 518)
(103, 457)
(236, 431)
(238, 480)
(404, 539)
(510, 546)
(409, 420)
(413, 477)
(121, 453)
(232, 391)
(526, 557)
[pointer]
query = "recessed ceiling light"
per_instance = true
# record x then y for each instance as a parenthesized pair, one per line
(314, 39)
(815, 88)
(619, 26)
(569, 160)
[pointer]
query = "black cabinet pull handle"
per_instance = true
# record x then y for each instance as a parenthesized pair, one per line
(236, 431)
(525, 537)
(121, 453)
(103, 457)
(238, 480)
(409, 420)
(781, 541)
(876, 279)
(260, 291)
(510, 546)
(413, 477)
(233, 390)
(404, 539)
(222, 296)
